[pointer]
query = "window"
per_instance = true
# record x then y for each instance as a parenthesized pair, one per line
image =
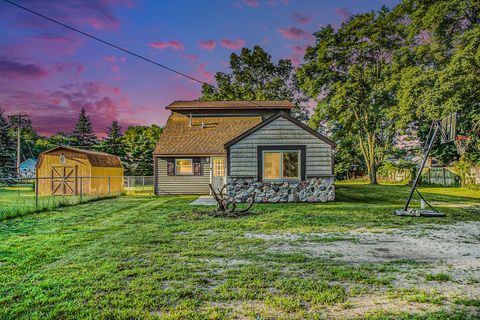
(183, 166)
(281, 165)
(218, 167)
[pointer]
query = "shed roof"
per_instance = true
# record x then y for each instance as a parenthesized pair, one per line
(96, 158)
(179, 138)
(234, 105)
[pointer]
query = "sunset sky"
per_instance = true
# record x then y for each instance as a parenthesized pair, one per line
(50, 72)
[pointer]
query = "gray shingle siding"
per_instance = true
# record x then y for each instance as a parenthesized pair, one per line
(243, 154)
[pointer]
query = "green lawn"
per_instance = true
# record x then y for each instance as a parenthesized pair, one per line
(18, 200)
(140, 257)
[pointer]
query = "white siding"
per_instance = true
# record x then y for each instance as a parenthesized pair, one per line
(182, 184)
(243, 154)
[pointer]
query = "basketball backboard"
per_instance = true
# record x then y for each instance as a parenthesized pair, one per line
(448, 128)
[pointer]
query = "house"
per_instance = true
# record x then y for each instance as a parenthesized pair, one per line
(66, 171)
(255, 147)
(27, 168)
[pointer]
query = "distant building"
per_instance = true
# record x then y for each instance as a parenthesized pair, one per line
(27, 168)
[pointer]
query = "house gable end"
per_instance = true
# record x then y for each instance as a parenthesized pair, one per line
(273, 118)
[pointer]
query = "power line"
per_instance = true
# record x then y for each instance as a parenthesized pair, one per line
(115, 46)
(105, 42)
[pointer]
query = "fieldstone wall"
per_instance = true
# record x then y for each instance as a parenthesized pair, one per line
(310, 190)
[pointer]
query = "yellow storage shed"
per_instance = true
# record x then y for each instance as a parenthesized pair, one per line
(70, 171)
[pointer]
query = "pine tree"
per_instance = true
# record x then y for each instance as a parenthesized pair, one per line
(113, 142)
(7, 149)
(83, 134)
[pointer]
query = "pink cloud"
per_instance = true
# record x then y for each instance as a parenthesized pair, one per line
(297, 54)
(173, 44)
(344, 13)
(301, 18)
(205, 75)
(57, 110)
(207, 44)
(97, 14)
(110, 58)
(232, 44)
(295, 33)
(251, 3)
(10, 69)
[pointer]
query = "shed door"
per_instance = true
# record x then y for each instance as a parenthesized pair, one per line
(64, 180)
(218, 173)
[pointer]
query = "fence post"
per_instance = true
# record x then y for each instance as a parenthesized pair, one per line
(444, 179)
(81, 189)
(109, 185)
(143, 183)
(36, 191)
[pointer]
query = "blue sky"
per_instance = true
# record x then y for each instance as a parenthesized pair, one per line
(51, 72)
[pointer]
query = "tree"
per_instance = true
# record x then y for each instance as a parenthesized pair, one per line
(441, 75)
(255, 77)
(113, 143)
(83, 134)
(352, 73)
(59, 139)
(140, 142)
(7, 149)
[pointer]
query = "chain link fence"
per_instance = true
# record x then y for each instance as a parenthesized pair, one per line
(139, 185)
(20, 196)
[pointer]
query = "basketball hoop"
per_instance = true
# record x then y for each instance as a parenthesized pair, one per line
(461, 142)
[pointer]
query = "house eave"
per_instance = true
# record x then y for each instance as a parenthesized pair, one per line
(172, 155)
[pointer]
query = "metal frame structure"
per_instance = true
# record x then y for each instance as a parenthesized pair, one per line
(436, 127)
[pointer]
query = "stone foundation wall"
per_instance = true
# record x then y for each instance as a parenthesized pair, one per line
(310, 190)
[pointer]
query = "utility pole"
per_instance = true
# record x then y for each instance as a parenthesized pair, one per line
(20, 120)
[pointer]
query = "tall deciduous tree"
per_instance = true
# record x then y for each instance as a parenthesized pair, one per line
(83, 134)
(441, 76)
(7, 148)
(351, 71)
(254, 76)
(113, 143)
(140, 142)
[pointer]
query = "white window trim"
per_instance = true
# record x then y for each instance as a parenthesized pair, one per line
(184, 173)
(299, 173)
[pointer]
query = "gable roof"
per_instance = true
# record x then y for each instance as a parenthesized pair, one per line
(237, 105)
(273, 118)
(96, 158)
(178, 138)
(29, 162)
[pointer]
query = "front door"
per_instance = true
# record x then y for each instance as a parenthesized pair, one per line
(64, 180)
(218, 173)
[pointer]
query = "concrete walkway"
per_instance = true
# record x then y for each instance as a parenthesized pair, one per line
(204, 201)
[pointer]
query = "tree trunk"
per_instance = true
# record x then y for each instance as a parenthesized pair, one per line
(368, 151)
(373, 174)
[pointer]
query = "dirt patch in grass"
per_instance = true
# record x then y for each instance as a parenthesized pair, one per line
(457, 245)
(431, 265)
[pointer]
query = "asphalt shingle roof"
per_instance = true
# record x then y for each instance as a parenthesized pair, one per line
(178, 138)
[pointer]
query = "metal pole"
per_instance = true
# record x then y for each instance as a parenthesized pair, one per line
(81, 188)
(18, 150)
(108, 185)
(36, 191)
(419, 173)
